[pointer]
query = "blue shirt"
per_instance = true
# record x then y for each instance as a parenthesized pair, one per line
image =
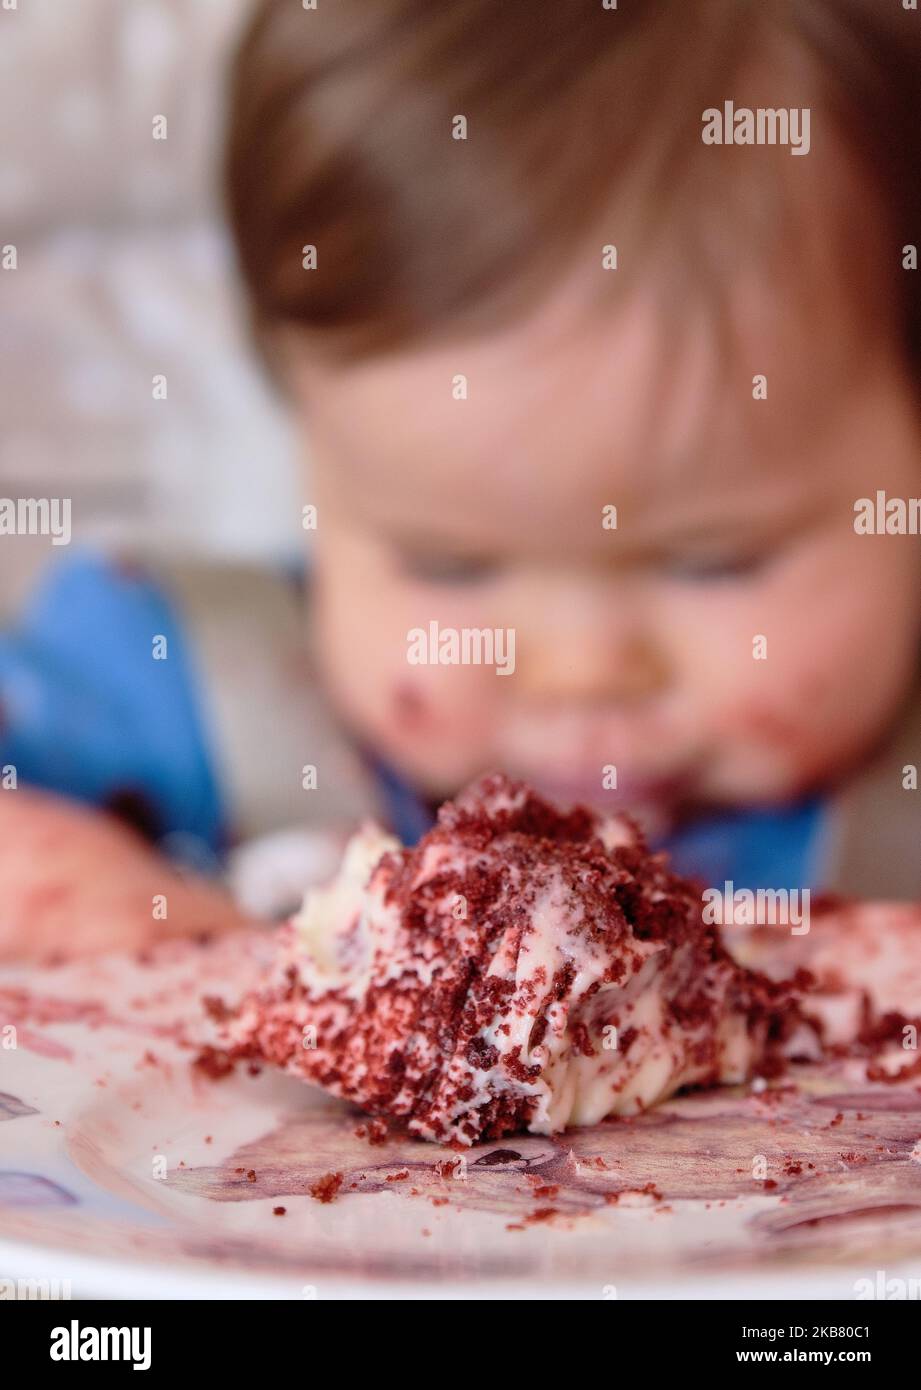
(99, 700)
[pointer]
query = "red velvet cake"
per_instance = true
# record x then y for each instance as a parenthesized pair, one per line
(520, 968)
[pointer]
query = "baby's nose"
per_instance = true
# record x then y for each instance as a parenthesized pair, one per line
(598, 667)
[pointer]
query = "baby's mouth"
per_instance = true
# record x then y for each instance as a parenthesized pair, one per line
(650, 797)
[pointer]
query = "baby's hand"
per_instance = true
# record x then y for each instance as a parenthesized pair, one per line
(74, 881)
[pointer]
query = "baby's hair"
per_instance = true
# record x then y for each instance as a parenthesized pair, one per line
(583, 131)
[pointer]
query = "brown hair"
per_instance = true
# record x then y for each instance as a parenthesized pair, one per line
(580, 118)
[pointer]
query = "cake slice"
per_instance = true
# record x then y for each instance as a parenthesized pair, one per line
(520, 968)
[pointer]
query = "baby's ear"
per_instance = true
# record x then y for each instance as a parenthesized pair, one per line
(276, 354)
(291, 361)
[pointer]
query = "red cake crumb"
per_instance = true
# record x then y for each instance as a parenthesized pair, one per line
(875, 1072)
(326, 1189)
(375, 1131)
(214, 1062)
(279, 1211)
(216, 1008)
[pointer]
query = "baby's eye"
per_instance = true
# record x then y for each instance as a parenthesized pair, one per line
(448, 569)
(712, 569)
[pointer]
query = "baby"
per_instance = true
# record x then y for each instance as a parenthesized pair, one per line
(570, 372)
(602, 325)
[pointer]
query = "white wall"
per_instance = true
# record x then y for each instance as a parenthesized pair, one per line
(124, 272)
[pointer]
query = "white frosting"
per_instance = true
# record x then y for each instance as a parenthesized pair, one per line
(333, 931)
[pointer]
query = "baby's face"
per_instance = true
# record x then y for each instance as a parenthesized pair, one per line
(733, 640)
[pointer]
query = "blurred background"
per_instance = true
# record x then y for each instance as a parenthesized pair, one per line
(124, 272)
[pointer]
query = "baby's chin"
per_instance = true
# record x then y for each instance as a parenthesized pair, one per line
(760, 785)
(746, 778)
(654, 809)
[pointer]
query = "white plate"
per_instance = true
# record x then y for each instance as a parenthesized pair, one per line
(126, 1171)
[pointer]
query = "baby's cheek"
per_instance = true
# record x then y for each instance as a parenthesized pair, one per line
(818, 692)
(433, 722)
(439, 723)
(425, 701)
(768, 738)
(409, 707)
(775, 746)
